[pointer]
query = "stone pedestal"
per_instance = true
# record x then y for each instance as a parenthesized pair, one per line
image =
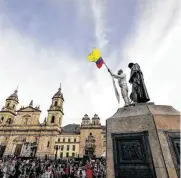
(143, 141)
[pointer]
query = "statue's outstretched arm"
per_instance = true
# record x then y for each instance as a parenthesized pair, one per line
(116, 76)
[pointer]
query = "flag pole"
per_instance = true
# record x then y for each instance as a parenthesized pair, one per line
(107, 68)
(114, 85)
(106, 65)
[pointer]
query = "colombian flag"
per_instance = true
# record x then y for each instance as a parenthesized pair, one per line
(95, 56)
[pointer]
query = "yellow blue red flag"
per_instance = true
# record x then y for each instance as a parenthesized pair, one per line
(95, 56)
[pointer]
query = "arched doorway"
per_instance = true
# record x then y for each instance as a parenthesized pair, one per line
(19, 141)
(90, 146)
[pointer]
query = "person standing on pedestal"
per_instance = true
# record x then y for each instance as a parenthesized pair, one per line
(139, 92)
(122, 84)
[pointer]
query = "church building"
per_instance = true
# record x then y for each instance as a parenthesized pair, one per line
(22, 134)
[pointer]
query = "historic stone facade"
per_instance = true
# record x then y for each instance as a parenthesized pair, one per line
(95, 129)
(22, 134)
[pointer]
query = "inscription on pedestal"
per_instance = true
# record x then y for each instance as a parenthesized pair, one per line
(132, 156)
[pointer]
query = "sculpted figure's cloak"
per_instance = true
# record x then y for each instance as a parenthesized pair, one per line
(139, 92)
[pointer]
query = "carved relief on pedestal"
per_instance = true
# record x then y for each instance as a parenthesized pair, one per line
(173, 139)
(132, 151)
(132, 155)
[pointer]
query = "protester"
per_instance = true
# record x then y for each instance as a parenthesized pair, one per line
(60, 168)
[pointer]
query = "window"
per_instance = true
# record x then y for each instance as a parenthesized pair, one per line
(73, 154)
(58, 140)
(13, 106)
(74, 139)
(67, 154)
(2, 118)
(25, 121)
(48, 144)
(90, 133)
(9, 121)
(56, 103)
(61, 154)
(73, 147)
(63, 139)
(68, 147)
(7, 105)
(53, 119)
(69, 140)
(62, 147)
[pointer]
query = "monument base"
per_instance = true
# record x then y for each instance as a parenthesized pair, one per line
(143, 141)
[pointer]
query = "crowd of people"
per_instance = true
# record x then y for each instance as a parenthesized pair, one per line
(59, 168)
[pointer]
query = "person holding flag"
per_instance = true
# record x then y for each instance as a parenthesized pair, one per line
(122, 84)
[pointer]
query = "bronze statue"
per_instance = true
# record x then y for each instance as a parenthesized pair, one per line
(139, 92)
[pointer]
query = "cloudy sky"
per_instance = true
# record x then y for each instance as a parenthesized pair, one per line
(45, 42)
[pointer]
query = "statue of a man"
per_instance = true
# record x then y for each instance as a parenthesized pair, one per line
(122, 84)
(139, 92)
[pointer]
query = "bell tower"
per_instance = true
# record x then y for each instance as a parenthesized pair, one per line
(85, 121)
(55, 111)
(96, 120)
(8, 112)
(52, 125)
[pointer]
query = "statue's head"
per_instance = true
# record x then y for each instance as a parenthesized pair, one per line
(130, 65)
(120, 72)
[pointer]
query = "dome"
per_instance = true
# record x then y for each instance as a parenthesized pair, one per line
(86, 117)
(58, 94)
(95, 117)
(14, 96)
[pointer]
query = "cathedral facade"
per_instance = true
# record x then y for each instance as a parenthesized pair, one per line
(22, 134)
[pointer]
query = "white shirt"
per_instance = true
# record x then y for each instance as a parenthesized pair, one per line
(83, 173)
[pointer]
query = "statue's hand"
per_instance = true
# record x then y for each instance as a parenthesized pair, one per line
(109, 70)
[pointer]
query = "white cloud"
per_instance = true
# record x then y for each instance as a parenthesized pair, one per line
(155, 46)
(99, 12)
(38, 71)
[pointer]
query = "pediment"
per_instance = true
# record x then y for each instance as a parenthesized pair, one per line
(28, 109)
